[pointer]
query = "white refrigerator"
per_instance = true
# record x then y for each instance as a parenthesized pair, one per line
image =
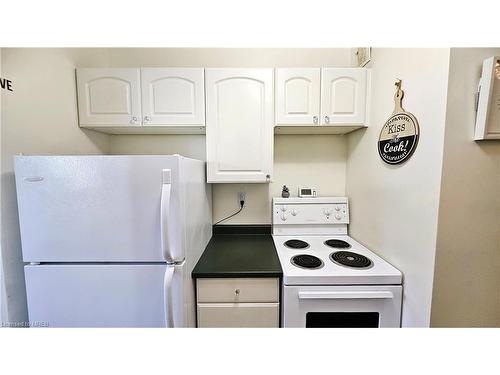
(110, 241)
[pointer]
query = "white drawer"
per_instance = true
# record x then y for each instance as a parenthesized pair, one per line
(239, 315)
(238, 290)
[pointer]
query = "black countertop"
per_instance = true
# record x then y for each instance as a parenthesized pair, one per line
(239, 251)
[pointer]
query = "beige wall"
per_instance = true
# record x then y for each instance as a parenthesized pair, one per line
(315, 160)
(192, 146)
(394, 208)
(39, 117)
(230, 57)
(3, 305)
(292, 155)
(467, 278)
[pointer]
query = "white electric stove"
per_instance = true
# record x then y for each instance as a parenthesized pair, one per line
(329, 279)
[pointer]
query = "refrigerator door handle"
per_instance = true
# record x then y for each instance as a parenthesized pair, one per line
(166, 191)
(168, 296)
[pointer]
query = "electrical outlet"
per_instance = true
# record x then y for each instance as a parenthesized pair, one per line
(242, 196)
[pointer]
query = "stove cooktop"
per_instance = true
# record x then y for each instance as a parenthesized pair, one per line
(329, 263)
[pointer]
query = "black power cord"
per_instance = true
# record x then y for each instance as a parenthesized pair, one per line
(242, 204)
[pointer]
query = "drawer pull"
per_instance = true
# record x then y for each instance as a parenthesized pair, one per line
(237, 292)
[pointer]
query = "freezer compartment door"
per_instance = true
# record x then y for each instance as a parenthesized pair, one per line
(99, 208)
(74, 295)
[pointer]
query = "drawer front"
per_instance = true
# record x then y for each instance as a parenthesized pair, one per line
(238, 315)
(238, 290)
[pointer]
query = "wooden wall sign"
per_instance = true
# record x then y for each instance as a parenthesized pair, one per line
(399, 136)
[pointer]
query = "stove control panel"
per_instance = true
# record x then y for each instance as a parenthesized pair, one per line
(292, 212)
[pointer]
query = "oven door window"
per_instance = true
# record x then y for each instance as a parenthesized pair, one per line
(342, 320)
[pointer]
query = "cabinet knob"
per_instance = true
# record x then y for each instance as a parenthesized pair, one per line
(315, 120)
(327, 120)
(237, 292)
(133, 120)
(147, 119)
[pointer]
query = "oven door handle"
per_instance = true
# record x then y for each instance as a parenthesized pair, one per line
(346, 295)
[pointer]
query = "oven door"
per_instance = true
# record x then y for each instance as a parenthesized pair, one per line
(360, 306)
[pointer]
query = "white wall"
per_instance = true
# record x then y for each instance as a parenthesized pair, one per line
(39, 117)
(292, 155)
(467, 278)
(394, 208)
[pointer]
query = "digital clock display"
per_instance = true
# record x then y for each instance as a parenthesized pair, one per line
(307, 192)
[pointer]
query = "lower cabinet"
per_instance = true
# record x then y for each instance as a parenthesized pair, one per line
(238, 302)
(238, 315)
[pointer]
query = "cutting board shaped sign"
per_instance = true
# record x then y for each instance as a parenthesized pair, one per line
(399, 136)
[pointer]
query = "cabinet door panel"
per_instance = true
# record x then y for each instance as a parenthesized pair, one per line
(173, 96)
(343, 96)
(238, 315)
(109, 97)
(297, 96)
(239, 125)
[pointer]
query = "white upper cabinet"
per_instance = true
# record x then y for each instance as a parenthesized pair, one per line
(173, 96)
(343, 96)
(297, 96)
(109, 97)
(172, 100)
(321, 100)
(147, 100)
(239, 125)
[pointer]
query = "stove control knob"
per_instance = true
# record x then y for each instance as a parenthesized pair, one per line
(327, 212)
(294, 213)
(283, 208)
(337, 208)
(283, 217)
(338, 217)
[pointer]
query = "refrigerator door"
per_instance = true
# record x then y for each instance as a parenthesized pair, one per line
(74, 295)
(100, 208)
